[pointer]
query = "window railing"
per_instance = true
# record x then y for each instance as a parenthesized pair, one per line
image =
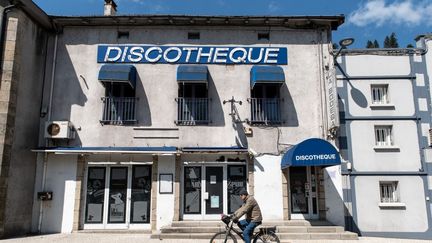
(389, 192)
(265, 111)
(119, 110)
(192, 111)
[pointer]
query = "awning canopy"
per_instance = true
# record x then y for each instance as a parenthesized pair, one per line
(192, 74)
(210, 150)
(311, 152)
(118, 73)
(266, 75)
(107, 150)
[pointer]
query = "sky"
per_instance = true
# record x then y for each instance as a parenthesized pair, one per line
(365, 19)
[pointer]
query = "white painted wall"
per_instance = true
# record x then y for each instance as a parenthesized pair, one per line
(334, 195)
(374, 65)
(367, 159)
(268, 186)
(61, 180)
(372, 218)
(400, 95)
(165, 202)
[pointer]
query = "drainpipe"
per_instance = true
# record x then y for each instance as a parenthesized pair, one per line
(45, 159)
(52, 77)
(3, 31)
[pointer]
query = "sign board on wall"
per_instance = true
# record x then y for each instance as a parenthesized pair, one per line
(192, 54)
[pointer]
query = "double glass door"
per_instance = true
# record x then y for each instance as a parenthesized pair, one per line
(117, 196)
(303, 193)
(210, 190)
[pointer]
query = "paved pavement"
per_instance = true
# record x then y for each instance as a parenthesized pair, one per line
(144, 238)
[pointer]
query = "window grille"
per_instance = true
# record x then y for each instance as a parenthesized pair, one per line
(380, 94)
(383, 136)
(389, 191)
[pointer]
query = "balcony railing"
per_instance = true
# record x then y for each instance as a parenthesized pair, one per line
(119, 110)
(265, 111)
(192, 111)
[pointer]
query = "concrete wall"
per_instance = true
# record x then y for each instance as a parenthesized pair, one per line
(21, 92)
(165, 202)
(57, 215)
(77, 91)
(404, 157)
(268, 181)
(372, 218)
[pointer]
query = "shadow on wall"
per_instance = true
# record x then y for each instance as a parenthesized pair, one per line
(216, 113)
(288, 111)
(69, 90)
(337, 212)
(143, 112)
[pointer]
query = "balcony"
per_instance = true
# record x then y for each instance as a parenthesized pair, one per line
(265, 111)
(119, 110)
(192, 111)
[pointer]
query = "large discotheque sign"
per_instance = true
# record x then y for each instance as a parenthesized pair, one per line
(191, 54)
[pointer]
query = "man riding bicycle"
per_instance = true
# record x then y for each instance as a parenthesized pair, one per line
(252, 210)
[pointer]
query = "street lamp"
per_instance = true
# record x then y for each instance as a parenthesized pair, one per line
(343, 45)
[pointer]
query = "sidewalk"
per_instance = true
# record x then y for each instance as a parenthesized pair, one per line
(143, 238)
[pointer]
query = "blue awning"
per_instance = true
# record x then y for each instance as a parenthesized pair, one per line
(192, 74)
(311, 152)
(118, 73)
(267, 75)
(225, 150)
(108, 150)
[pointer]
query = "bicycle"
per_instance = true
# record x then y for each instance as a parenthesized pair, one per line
(263, 235)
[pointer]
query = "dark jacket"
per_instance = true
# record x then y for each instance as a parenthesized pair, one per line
(251, 208)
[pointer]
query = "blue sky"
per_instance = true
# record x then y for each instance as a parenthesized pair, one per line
(365, 19)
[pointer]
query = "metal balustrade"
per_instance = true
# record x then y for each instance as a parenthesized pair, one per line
(265, 111)
(119, 110)
(192, 111)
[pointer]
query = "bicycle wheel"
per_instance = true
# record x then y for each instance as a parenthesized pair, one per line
(266, 238)
(222, 237)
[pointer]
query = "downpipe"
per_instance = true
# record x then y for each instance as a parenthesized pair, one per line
(45, 159)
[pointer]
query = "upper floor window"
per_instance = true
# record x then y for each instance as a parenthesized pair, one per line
(383, 136)
(119, 102)
(380, 94)
(389, 192)
(192, 104)
(265, 104)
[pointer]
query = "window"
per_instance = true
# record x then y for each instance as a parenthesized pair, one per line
(193, 104)
(389, 192)
(265, 104)
(263, 36)
(380, 94)
(194, 35)
(383, 136)
(119, 104)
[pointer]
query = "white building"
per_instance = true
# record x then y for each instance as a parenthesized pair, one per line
(385, 139)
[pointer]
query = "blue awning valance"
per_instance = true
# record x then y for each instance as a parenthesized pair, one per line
(108, 150)
(311, 152)
(118, 73)
(267, 75)
(192, 74)
(222, 150)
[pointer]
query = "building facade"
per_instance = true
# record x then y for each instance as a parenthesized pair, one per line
(385, 140)
(149, 120)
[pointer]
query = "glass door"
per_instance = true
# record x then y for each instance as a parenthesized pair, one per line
(214, 195)
(118, 197)
(303, 193)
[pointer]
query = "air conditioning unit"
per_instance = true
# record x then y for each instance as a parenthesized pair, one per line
(59, 130)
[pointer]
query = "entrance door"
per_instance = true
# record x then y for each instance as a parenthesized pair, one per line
(211, 190)
(214, 190)
(303, 193)
(118, 197)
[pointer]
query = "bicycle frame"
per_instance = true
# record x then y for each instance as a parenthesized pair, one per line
(229, 227)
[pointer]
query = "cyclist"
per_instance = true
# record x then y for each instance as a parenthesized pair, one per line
(252, 210)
